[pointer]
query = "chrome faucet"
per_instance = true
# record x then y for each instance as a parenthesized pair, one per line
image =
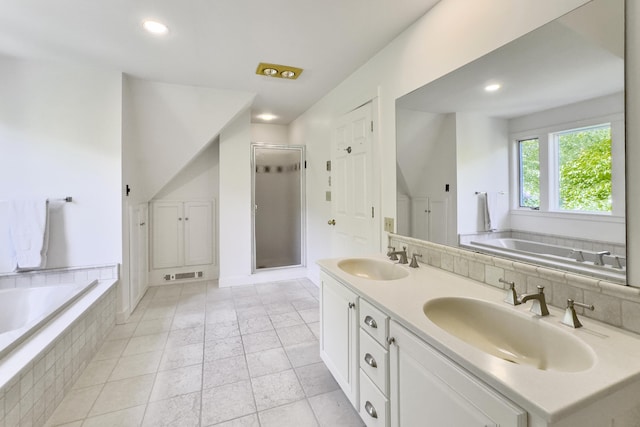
(600, 257)
(570, 316)
(539, 304)
(393, 255)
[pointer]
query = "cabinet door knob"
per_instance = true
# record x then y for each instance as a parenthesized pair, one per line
(370, 321)
(179, 219)
(186, 219)
(352, 305)
(391, 340)
(331, 222)
(370, 360)
(370, 410)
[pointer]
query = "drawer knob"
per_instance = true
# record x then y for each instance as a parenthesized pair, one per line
(370, 410)
(370, 321)
(352, 305)
(370, 360)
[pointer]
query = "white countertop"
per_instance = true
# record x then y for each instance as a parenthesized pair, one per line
(549, 394)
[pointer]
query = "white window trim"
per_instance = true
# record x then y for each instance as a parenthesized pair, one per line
(548, 189)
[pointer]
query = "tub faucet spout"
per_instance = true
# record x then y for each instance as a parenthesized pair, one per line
(600, 257)
(539, 304)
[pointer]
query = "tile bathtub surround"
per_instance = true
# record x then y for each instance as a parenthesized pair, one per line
(32, 396)
(28, 279)
(615, 304)
(196, 355)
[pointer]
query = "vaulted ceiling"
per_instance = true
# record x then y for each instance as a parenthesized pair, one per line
(214, 43)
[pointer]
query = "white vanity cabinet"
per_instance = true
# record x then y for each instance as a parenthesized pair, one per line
(374, 366)
(339, 334)
(428, 389)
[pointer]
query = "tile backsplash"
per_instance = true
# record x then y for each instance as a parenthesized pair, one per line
(615, 304)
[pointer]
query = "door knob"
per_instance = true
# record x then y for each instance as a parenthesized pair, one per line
(332, 222)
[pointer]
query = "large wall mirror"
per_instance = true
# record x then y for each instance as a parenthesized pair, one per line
(521, 152)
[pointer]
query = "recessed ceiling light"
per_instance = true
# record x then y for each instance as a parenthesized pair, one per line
(267, 117)
(155, 27)
(492, 87)
(269, 71)
(288, 74)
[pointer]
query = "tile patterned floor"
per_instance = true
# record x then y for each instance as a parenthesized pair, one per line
(196, 355)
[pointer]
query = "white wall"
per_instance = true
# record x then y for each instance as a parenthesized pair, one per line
(166, 125)
(235, 201)
(60, 136)
(450, 35)
(483, 166)
(270, 134)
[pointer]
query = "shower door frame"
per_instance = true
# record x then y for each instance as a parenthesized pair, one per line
(303, 167)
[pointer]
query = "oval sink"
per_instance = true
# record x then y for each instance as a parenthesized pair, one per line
(372, 269)
(508, 335)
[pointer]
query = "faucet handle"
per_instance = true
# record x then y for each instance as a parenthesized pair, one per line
(511, 297)
(570, 316)
(390, 249)
(414, 261)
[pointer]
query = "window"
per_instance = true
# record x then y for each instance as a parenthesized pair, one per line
(584, 169)
(529, 169)
(574, 166)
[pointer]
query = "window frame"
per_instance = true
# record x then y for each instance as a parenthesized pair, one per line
(549, 191)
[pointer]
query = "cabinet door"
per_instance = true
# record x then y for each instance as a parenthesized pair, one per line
(338, 339)
(167, 234)
(198, 233)
(428, 389)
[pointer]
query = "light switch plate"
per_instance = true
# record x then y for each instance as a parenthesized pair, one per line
(388, 225)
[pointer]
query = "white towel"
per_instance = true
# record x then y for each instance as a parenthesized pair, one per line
(488, 207)
(29, 230)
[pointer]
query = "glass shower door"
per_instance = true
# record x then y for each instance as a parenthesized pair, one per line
(278, 206)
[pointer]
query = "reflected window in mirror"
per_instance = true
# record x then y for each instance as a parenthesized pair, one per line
(584, 169)
(567, 169)
(529, 168)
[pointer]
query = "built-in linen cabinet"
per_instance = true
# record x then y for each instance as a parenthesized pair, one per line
(339, 334)
(182, 234)
(374, 366)
(426, 388)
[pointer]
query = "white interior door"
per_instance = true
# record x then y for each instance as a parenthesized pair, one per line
(420, 218)
(138, 253)
(438, 221)
(352, 179)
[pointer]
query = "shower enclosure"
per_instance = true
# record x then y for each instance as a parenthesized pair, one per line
(278, 201)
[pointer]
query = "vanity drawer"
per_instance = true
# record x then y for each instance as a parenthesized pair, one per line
(374, 361)
(375, 322)
(374, 407)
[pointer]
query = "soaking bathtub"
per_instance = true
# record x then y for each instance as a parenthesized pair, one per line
(553, 256)
(24, 310)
